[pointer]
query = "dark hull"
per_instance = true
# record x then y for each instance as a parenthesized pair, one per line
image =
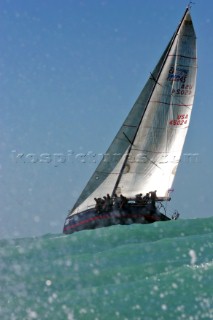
(91, 219)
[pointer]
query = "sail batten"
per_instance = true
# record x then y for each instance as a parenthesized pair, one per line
(146, 150)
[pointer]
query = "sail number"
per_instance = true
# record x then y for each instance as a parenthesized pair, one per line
(183, 90)
(181, 119)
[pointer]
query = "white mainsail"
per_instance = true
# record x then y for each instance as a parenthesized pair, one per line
(145, 153)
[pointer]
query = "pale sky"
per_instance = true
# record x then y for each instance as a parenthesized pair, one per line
(70, 72)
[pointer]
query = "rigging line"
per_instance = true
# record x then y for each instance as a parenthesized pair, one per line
(127, 138)
(153, 78)
(158, 76)
(154, 164)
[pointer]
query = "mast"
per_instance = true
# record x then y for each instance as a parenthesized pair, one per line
(156, 83)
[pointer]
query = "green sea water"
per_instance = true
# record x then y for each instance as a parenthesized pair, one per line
(158, 271)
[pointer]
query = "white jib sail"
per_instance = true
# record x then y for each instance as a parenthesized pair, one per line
(145, 153)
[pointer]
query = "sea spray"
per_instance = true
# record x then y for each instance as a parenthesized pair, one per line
(158, 271)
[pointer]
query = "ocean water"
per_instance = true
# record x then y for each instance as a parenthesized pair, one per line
(158, 271)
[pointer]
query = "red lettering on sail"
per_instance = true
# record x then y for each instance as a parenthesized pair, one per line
(180, 120)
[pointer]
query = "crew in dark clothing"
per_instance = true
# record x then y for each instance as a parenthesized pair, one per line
(104, 202)
(146, 198)
(110, 201)
(153, 195)
(99, 204)
(138, 198)
(153, 198)
(175, 215)
(123, 201)
(106, 205)
(117, 201)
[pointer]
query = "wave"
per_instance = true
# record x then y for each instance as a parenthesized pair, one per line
(158, 271)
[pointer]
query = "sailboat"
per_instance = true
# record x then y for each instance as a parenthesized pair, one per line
(133, 181)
